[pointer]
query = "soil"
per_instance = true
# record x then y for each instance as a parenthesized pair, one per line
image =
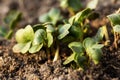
(37, 66)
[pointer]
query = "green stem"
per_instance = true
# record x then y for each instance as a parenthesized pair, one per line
(56, 57)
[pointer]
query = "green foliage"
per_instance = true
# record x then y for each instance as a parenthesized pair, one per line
(89, 48)
(114, 18)
(51, 36)
(24, 37)
(52, 16)
(115, 22)
(93, 49)
(80, 16)
(33, 41)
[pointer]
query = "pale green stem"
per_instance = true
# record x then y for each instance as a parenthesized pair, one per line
(56, 57)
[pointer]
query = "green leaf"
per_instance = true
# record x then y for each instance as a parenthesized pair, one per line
(44, 18)
(63, 31)
(116, 28)
(18, 47)
(69, 59)
(50, 39)
(26, 47)
(114, 18)
(88, 42)
(80, 60)
(52, 16)
(3, 31)
(95, 55)
(40, 36)
(12, 18)
(93, 49)
(49, 28)
(24, 35)
(76, 47)
(76, 32)
(35, 48)
(99, 35)
(22, 47)
(80, 16)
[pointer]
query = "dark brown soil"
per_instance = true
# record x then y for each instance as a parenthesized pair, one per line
(36, 66)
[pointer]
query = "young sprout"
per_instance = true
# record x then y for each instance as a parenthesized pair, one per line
(52, 16)
(11, 20)
(115, 23)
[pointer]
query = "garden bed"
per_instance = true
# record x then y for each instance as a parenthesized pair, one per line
(16, 66)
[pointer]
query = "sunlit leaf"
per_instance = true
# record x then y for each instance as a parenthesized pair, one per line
(18, 47)
(21, 47)
(116, 28)
(26, 47)
(24, 35)
(80, 16)
(69, 59)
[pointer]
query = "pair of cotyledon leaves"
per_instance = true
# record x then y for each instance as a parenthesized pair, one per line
(90, 47)
(28, 40)
(73, 26)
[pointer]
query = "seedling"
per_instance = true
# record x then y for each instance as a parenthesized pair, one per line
(85, 51)
(32, 40)
(52, 16)
(115, 23)
(11, 20)
(72, 33)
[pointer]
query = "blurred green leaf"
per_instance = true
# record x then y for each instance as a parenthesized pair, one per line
(116, 28)
(12, 18)
(21, 47)
(52, 16)
(80, 16)
(69, 59)
(50, 39)
(114, 18)
(39, 37)
(63, 31)
(76, 32)
(76, 47)
(93, 49)
(100, 34)
(35, 48)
